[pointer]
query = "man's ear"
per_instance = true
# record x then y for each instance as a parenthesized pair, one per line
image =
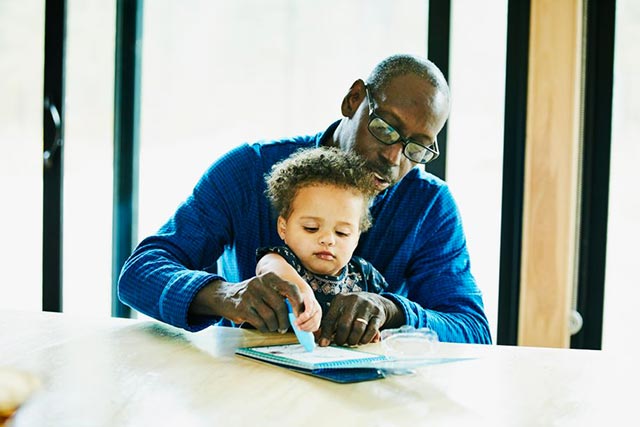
(353, 99)
(282, 228)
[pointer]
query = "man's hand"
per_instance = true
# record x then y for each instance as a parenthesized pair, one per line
(357, 318)
(258, 301)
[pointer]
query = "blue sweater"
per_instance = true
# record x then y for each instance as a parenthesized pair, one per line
(416, 242)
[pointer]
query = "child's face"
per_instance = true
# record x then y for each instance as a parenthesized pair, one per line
(324, 227)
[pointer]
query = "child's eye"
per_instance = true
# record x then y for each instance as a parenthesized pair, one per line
(342, 233)
(310, 229)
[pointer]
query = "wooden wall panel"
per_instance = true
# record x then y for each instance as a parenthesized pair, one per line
(551, 172)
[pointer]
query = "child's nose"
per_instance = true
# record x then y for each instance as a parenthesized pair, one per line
(327, 238)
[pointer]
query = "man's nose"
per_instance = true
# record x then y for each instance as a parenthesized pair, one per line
(392, 153)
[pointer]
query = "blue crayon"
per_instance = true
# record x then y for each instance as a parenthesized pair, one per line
(306, 338)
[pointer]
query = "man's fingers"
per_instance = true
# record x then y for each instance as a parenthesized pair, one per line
(372, 330)
(345, 307)
(255, 320)
(268, 316)
(329, 324)
(358, 327)
(353, 319)
(279, 289)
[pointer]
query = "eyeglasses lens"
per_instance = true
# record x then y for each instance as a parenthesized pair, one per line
(385, 133)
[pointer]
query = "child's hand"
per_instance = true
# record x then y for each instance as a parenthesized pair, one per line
(309, 319)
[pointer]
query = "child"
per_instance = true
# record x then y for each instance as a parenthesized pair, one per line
(322, 198)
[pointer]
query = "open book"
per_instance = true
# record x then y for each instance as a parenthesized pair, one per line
(338, 364)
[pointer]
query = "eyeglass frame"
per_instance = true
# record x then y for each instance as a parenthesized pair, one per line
(432, 148)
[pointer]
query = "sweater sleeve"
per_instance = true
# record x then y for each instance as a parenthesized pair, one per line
(441, 293)
(166, 270)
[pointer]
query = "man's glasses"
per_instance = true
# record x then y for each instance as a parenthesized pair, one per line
(386, 134)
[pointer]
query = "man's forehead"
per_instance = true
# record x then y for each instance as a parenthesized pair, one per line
(415, 106)
(408, 88)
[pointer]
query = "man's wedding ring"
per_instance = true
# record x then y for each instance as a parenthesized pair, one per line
(360, 319)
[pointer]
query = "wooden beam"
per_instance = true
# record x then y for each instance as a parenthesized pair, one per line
(551, 172)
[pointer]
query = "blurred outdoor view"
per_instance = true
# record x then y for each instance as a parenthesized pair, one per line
(217, 74)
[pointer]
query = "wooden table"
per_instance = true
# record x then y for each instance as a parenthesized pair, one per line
(116, 372)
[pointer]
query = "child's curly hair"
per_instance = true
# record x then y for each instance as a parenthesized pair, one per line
(325, 165)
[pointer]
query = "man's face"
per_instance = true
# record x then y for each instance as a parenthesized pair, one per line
(323, 227)
(409, 104)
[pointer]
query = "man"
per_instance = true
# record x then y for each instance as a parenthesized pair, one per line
(198, 270)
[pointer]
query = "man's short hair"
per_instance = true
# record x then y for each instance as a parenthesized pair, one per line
(402, 64)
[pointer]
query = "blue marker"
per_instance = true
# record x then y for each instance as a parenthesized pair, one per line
(305, 338)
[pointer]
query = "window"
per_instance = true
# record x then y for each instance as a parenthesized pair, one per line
(217, 74)
(475, 135)
(622, 289)
(88, 156)
(21, 86)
